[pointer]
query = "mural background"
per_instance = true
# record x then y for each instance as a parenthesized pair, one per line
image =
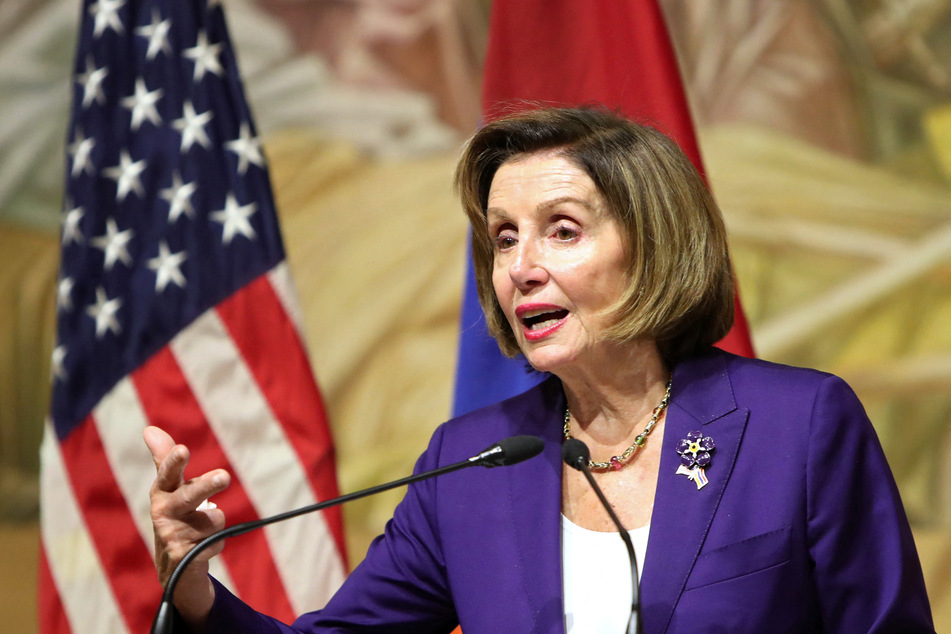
(825, 127)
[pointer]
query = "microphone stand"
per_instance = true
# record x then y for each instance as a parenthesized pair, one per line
(519, 447)
(575, 453)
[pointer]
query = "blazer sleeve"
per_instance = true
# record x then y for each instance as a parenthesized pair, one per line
(400, 587)
(867, 572)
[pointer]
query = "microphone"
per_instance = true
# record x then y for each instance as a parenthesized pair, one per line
(512, 450)
(506, 452)
(576, 455)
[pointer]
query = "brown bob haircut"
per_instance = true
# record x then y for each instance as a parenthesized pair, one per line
(681, 280)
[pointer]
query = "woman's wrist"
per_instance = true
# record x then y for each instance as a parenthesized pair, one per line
(194, 599)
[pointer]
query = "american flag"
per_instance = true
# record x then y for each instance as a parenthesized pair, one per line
(175, 308)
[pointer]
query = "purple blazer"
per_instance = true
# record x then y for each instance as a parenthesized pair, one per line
(800, 528)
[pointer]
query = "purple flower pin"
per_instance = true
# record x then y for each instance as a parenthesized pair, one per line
(695, 452)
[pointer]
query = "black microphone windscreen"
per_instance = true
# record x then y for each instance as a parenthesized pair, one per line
(515, 449)
(575, 453)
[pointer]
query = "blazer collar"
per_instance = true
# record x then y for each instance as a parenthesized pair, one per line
(702, 400)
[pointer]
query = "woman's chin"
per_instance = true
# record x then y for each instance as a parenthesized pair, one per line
(547, 359)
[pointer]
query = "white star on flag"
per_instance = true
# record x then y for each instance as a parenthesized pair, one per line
(106, 13)
(126, 175)
(104, 312)
(81, 150)
(205, 56)
(114, 244)
(142, 104)
(248, 149)
(157, 32)
(167, 267)
(192, 127)
(179, 198)
(92, 82)
(71, 230)
(64, 294)
(234, 219)
(57, 371)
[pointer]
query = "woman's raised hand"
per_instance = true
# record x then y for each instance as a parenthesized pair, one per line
(179, 524)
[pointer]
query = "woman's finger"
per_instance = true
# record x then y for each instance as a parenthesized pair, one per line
(180, 535)
(158, 442)
(184, 500)
(170, 473)
(190, 495)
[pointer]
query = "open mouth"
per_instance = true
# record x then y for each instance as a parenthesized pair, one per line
(540, 320)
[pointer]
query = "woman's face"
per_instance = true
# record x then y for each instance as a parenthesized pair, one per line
(559, 259)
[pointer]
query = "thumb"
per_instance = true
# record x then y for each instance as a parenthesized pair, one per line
(159, 443)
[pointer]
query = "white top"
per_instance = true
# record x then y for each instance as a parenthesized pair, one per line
(597, 577)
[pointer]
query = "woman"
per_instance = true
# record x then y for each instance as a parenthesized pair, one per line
(757, 495)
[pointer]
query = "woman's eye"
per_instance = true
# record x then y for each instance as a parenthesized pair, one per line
(504, 242)
(565, 233)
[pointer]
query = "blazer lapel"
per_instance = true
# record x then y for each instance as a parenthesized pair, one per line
(535, 498)
(701, 400)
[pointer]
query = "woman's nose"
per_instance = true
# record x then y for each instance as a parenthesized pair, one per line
(527, 269)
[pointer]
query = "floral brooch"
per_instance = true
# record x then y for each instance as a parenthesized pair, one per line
(695, 452)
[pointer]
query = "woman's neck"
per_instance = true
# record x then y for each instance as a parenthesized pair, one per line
(612, 396)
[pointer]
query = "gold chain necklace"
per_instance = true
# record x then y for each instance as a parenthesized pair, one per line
(616, 462)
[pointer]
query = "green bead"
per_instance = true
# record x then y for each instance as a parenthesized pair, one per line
(640, 440)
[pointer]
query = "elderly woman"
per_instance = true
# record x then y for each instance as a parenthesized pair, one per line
(757, 496)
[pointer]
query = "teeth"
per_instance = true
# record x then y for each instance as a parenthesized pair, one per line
(543, 324)
(534, 313)
(537, 319)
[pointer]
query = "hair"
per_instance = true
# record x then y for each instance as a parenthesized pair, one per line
(680, 291)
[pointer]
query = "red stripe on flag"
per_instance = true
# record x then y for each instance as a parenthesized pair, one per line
(51, 617)
(275, 355)
(169, 403)
(124, 557)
